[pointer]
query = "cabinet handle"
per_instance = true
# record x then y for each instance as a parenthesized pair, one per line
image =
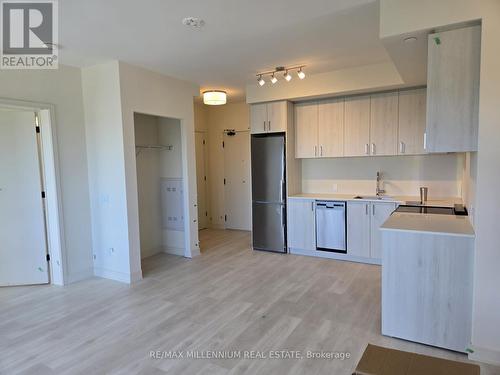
(312, 206)
(366, 208)
(373, 148)
(315, 150)
(366, 149)
(401, 147)
(425, 141)
(321, 150)
(264, 126)
(269, 127)
(373, 209)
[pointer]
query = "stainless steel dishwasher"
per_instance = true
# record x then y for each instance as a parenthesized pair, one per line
(331, 230)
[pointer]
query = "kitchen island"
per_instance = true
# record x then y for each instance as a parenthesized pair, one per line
(427, 268)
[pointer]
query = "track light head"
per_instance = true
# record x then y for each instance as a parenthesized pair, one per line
(274, 79)
(301, 74)
(261, 81)
(287, 76)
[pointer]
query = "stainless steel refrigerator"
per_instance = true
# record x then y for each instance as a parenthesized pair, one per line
(269, 192)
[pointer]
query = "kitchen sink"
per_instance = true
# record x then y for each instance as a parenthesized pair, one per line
(375, 197)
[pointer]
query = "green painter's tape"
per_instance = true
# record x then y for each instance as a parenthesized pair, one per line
(437, 40)
(469, 350)
(40, 269)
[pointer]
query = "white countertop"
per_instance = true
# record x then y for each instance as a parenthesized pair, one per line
(444, 202)
(429, 223)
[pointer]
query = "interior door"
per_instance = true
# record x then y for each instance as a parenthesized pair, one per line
(238, 187)
(201, 179)
(23, 246)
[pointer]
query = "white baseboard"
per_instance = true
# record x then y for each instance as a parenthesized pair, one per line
(174, 250)
(74, 277)
(114, 275)
(485, 355)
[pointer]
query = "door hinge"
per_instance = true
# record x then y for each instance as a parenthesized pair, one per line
(43, 194)
(225, 217)
(206, 213)
(222, 144)
(224, 181)
(205, 178)
(48, 257)
(37, 129)
(203, 141)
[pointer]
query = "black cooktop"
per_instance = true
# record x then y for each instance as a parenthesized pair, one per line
(426, 210)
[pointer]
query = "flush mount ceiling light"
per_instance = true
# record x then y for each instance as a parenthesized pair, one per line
(410, 39)
(214, 97)
(193, 22)
(279, 69)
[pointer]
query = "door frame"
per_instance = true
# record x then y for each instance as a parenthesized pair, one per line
(51, 180)
(205, 165)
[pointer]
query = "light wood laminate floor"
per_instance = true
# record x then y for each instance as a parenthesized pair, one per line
(229, 298)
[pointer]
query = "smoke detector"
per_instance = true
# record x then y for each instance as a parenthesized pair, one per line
(193, 22)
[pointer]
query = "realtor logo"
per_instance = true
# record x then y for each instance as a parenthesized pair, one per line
(28, 34)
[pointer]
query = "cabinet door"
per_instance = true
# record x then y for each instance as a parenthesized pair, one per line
(358, 229)
(357, 126)
(276, 117)
(331, 128)
(306, 130)
(380, 212)
(301, 224)
(411, 122)
(384, 124)
(453, 70)
(258, 118)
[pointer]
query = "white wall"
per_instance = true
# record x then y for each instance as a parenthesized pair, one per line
(103, 117)
(170, 134)
(148, 185)
(401, 175)
(63, 89)
(152, 93)
(402, 16)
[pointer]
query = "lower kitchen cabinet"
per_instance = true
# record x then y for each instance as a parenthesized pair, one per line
(358, 229)
(301, 224)
(380, 211)
(364, 219)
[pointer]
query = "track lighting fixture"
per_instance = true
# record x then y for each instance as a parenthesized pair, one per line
(281, 69)
(301, 74)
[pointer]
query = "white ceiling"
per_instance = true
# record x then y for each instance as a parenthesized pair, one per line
(239, 39)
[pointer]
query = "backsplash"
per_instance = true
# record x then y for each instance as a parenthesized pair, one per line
(401, 175)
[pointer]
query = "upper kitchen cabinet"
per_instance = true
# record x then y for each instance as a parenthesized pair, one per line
(384, 124)
(268, 117)
(412, 121)
(357, 126)
(331, 128)
(453, 90)
(306, 130)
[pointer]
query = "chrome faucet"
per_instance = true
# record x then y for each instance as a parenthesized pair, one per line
(378, 190)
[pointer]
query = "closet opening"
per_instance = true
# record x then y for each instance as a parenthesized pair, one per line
(160, 189)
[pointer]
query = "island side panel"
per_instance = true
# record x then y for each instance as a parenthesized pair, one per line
(427, 288)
